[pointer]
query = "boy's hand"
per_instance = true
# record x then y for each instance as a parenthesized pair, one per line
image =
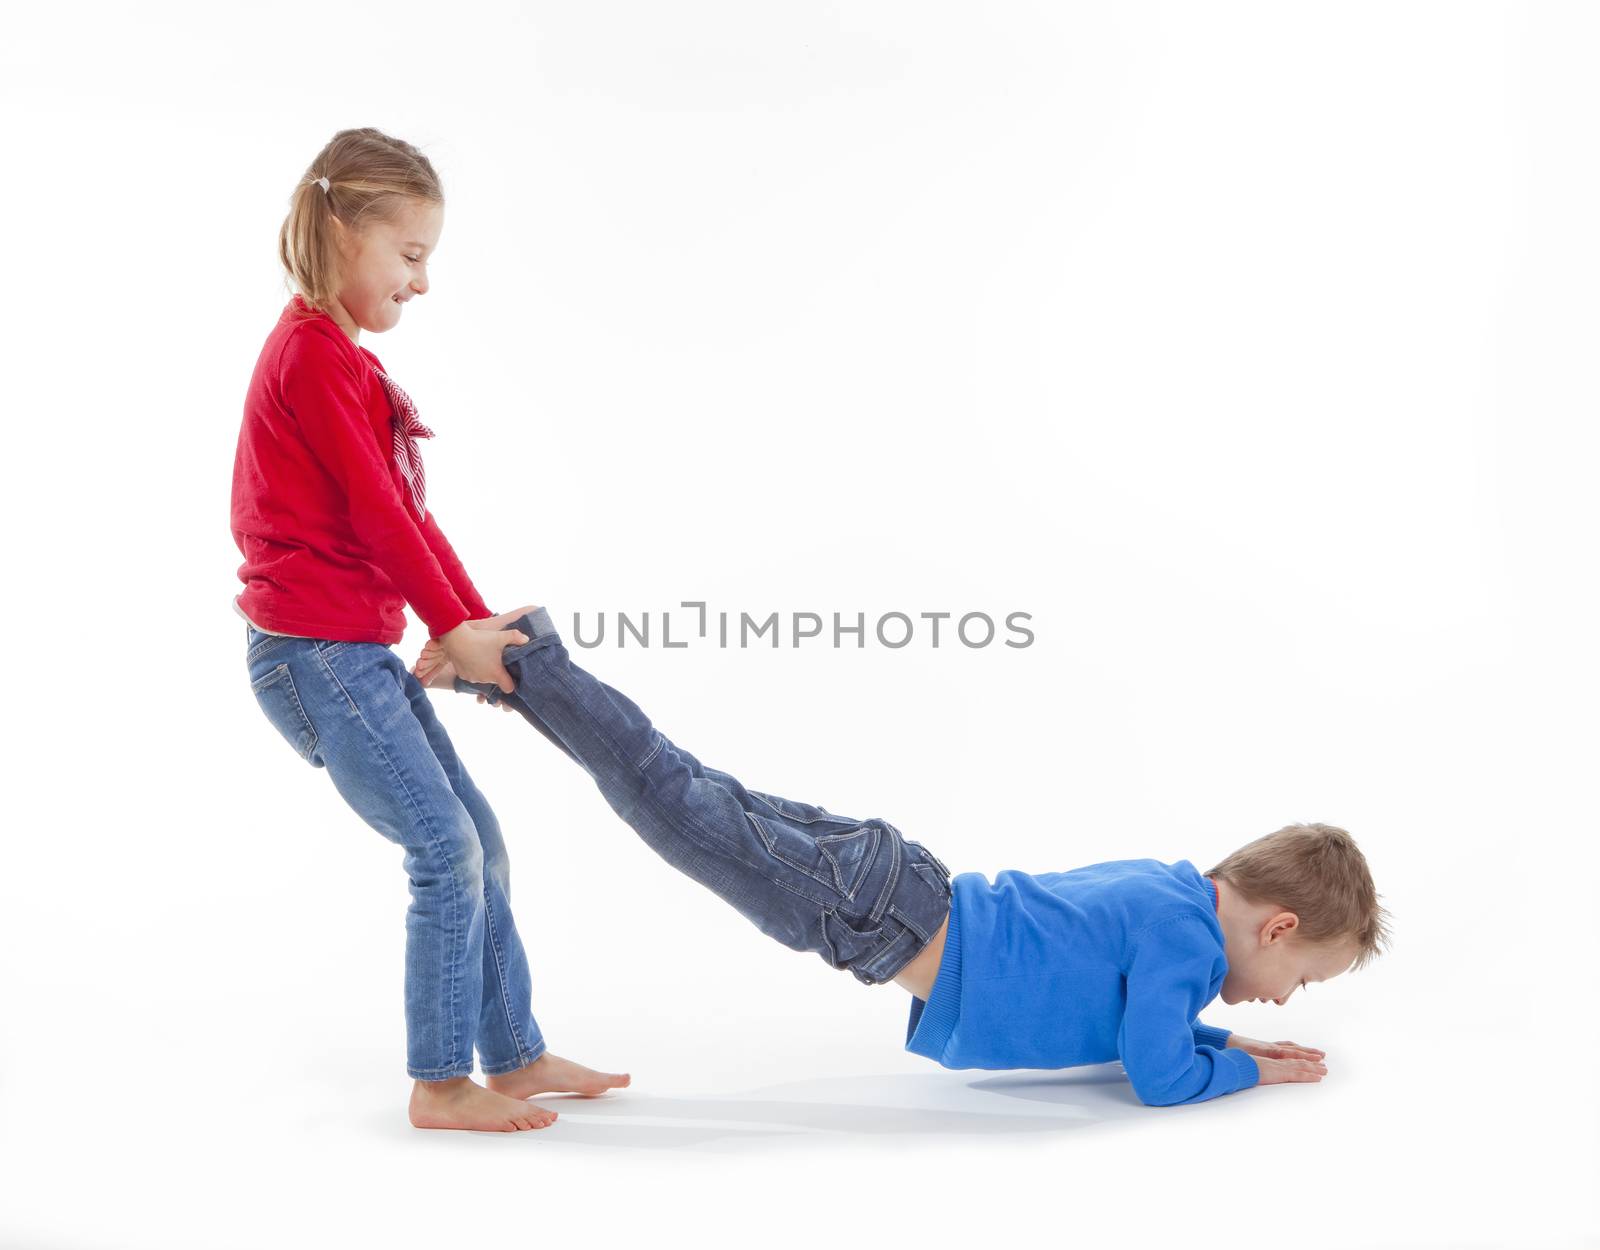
(1279, 1071)
(1275, 1050)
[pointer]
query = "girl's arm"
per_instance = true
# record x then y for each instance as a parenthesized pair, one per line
(451, 564)
(327, 396)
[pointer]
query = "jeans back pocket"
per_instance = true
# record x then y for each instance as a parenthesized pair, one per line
(278, 698)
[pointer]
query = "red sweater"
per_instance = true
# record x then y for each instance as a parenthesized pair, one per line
(331, 548)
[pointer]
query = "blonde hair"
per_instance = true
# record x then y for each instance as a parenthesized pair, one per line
(1317, 872)
(371, 178)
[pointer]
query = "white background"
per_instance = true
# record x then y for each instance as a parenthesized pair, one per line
(1249, 347)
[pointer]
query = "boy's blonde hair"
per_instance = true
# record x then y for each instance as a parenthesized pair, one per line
(370, 176)
(1317, 872)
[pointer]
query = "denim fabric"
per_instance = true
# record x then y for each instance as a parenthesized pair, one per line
(354, 709)
(854, 892)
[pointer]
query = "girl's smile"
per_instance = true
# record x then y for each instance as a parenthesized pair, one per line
(384, 268)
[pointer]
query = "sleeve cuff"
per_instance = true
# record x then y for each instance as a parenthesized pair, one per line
(1206, 1035)
(1244, 1065)
(453, 618)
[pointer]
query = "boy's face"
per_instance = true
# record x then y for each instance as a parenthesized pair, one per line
(1273, 962)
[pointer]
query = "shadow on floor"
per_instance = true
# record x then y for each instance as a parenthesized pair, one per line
(925, 1108)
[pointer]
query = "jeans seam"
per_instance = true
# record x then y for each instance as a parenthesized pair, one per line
(892, 877)
(494, 946)
(283, 673)
(896, 914)
(827, 817)
(493, 937)
(917, 944)
(832, 957)
(261, 649)
(868, 858)
(436, 1074)
(829, 882)
(457, 937)
(500, 1069)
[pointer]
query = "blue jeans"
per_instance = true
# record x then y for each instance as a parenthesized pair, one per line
(355, 710)
(854, 892)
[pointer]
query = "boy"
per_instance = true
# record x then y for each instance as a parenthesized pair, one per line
(1048, 970)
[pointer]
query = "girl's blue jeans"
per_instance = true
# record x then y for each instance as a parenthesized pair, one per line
(355, 710)
(855, 892)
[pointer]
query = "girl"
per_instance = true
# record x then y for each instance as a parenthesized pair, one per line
(330, 515)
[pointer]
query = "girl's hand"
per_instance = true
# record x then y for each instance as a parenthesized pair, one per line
(432, 669)
(475, 652)
(504, 619)
(1275, 1050)
(433, 658)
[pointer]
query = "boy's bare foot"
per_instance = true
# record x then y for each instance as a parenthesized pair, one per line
(463, 1103)
(551, 1074)
(444, 674)
(432, 669)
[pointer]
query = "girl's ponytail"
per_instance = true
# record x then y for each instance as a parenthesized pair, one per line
(361, 177)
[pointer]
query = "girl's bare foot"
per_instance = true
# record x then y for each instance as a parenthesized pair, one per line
(551, 1074)
(463, 1103)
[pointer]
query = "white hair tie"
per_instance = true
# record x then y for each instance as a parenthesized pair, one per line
(324, 181)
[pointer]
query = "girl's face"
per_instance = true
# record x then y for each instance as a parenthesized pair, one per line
(384, 267)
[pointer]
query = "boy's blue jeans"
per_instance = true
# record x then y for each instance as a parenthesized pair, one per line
(354, 709)
(855, 892)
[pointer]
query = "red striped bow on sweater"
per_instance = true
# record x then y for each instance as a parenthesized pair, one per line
(407, 429)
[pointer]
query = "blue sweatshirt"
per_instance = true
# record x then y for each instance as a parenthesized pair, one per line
(1109, 961)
